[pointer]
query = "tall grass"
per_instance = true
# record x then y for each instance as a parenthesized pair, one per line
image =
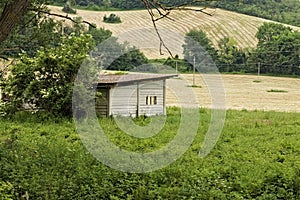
(257, 157)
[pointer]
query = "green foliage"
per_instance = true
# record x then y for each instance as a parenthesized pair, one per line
(99, 35)
(112, 18)
(231, 59)
(198, 48)
(68, 8)
(124, 4)
(120, 57)
(130, 60)
(180, 64)
(281, 11)
(47, 33)
(277, 51)
(270, 31)
(6, 190)
(257, 81)
(46, 80)
(43, 32)
(257, 157)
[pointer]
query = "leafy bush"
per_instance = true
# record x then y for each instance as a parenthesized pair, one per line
(6, 190)
(120, 57)
(112, 18)
(45, 82)
(129, 61)
(68, 8)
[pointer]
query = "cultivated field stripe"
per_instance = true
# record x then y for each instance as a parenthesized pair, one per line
(222, 24)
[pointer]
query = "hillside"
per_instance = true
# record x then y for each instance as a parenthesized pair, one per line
(137, 29)
(280, 11)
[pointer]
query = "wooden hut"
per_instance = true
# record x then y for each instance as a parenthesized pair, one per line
(132, 95)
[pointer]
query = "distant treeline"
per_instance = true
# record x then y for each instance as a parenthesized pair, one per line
(283, 11)
(277, 53)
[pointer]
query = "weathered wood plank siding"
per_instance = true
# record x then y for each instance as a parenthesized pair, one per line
(151, 88)
(102, 103)
(133, 99)
(124, 101)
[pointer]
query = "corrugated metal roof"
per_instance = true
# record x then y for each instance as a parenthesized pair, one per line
(115, 79)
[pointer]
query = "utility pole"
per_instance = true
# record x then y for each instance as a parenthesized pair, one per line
(258, 69)
(194, 71)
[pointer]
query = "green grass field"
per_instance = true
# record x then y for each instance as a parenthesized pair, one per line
(257, 157)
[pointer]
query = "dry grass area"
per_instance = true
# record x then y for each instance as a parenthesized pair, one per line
(244, 92)
(137, 29)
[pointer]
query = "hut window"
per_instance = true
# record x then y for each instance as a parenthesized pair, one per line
(151, 100)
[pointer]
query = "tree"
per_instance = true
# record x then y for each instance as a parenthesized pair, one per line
(130, 58)
(278, 50)
(46, 80)
(230, 57)
(44, 32)
(198, 48)
(268, 31)
(99, 35)
(14, 11)
(12, 14)
(113, 55)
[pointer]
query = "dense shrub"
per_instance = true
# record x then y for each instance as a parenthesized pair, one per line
(45, 82)
(68, 8)
(6, 190)
(112, 18)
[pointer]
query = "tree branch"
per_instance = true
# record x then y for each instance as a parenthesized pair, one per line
(159, 11)
(62, 16)
(161, 41)
(4, 58)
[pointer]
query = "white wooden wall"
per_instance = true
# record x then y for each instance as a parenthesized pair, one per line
(153, 88)
(125, 102)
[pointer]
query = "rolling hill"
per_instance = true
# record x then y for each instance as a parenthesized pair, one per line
(137, 29)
